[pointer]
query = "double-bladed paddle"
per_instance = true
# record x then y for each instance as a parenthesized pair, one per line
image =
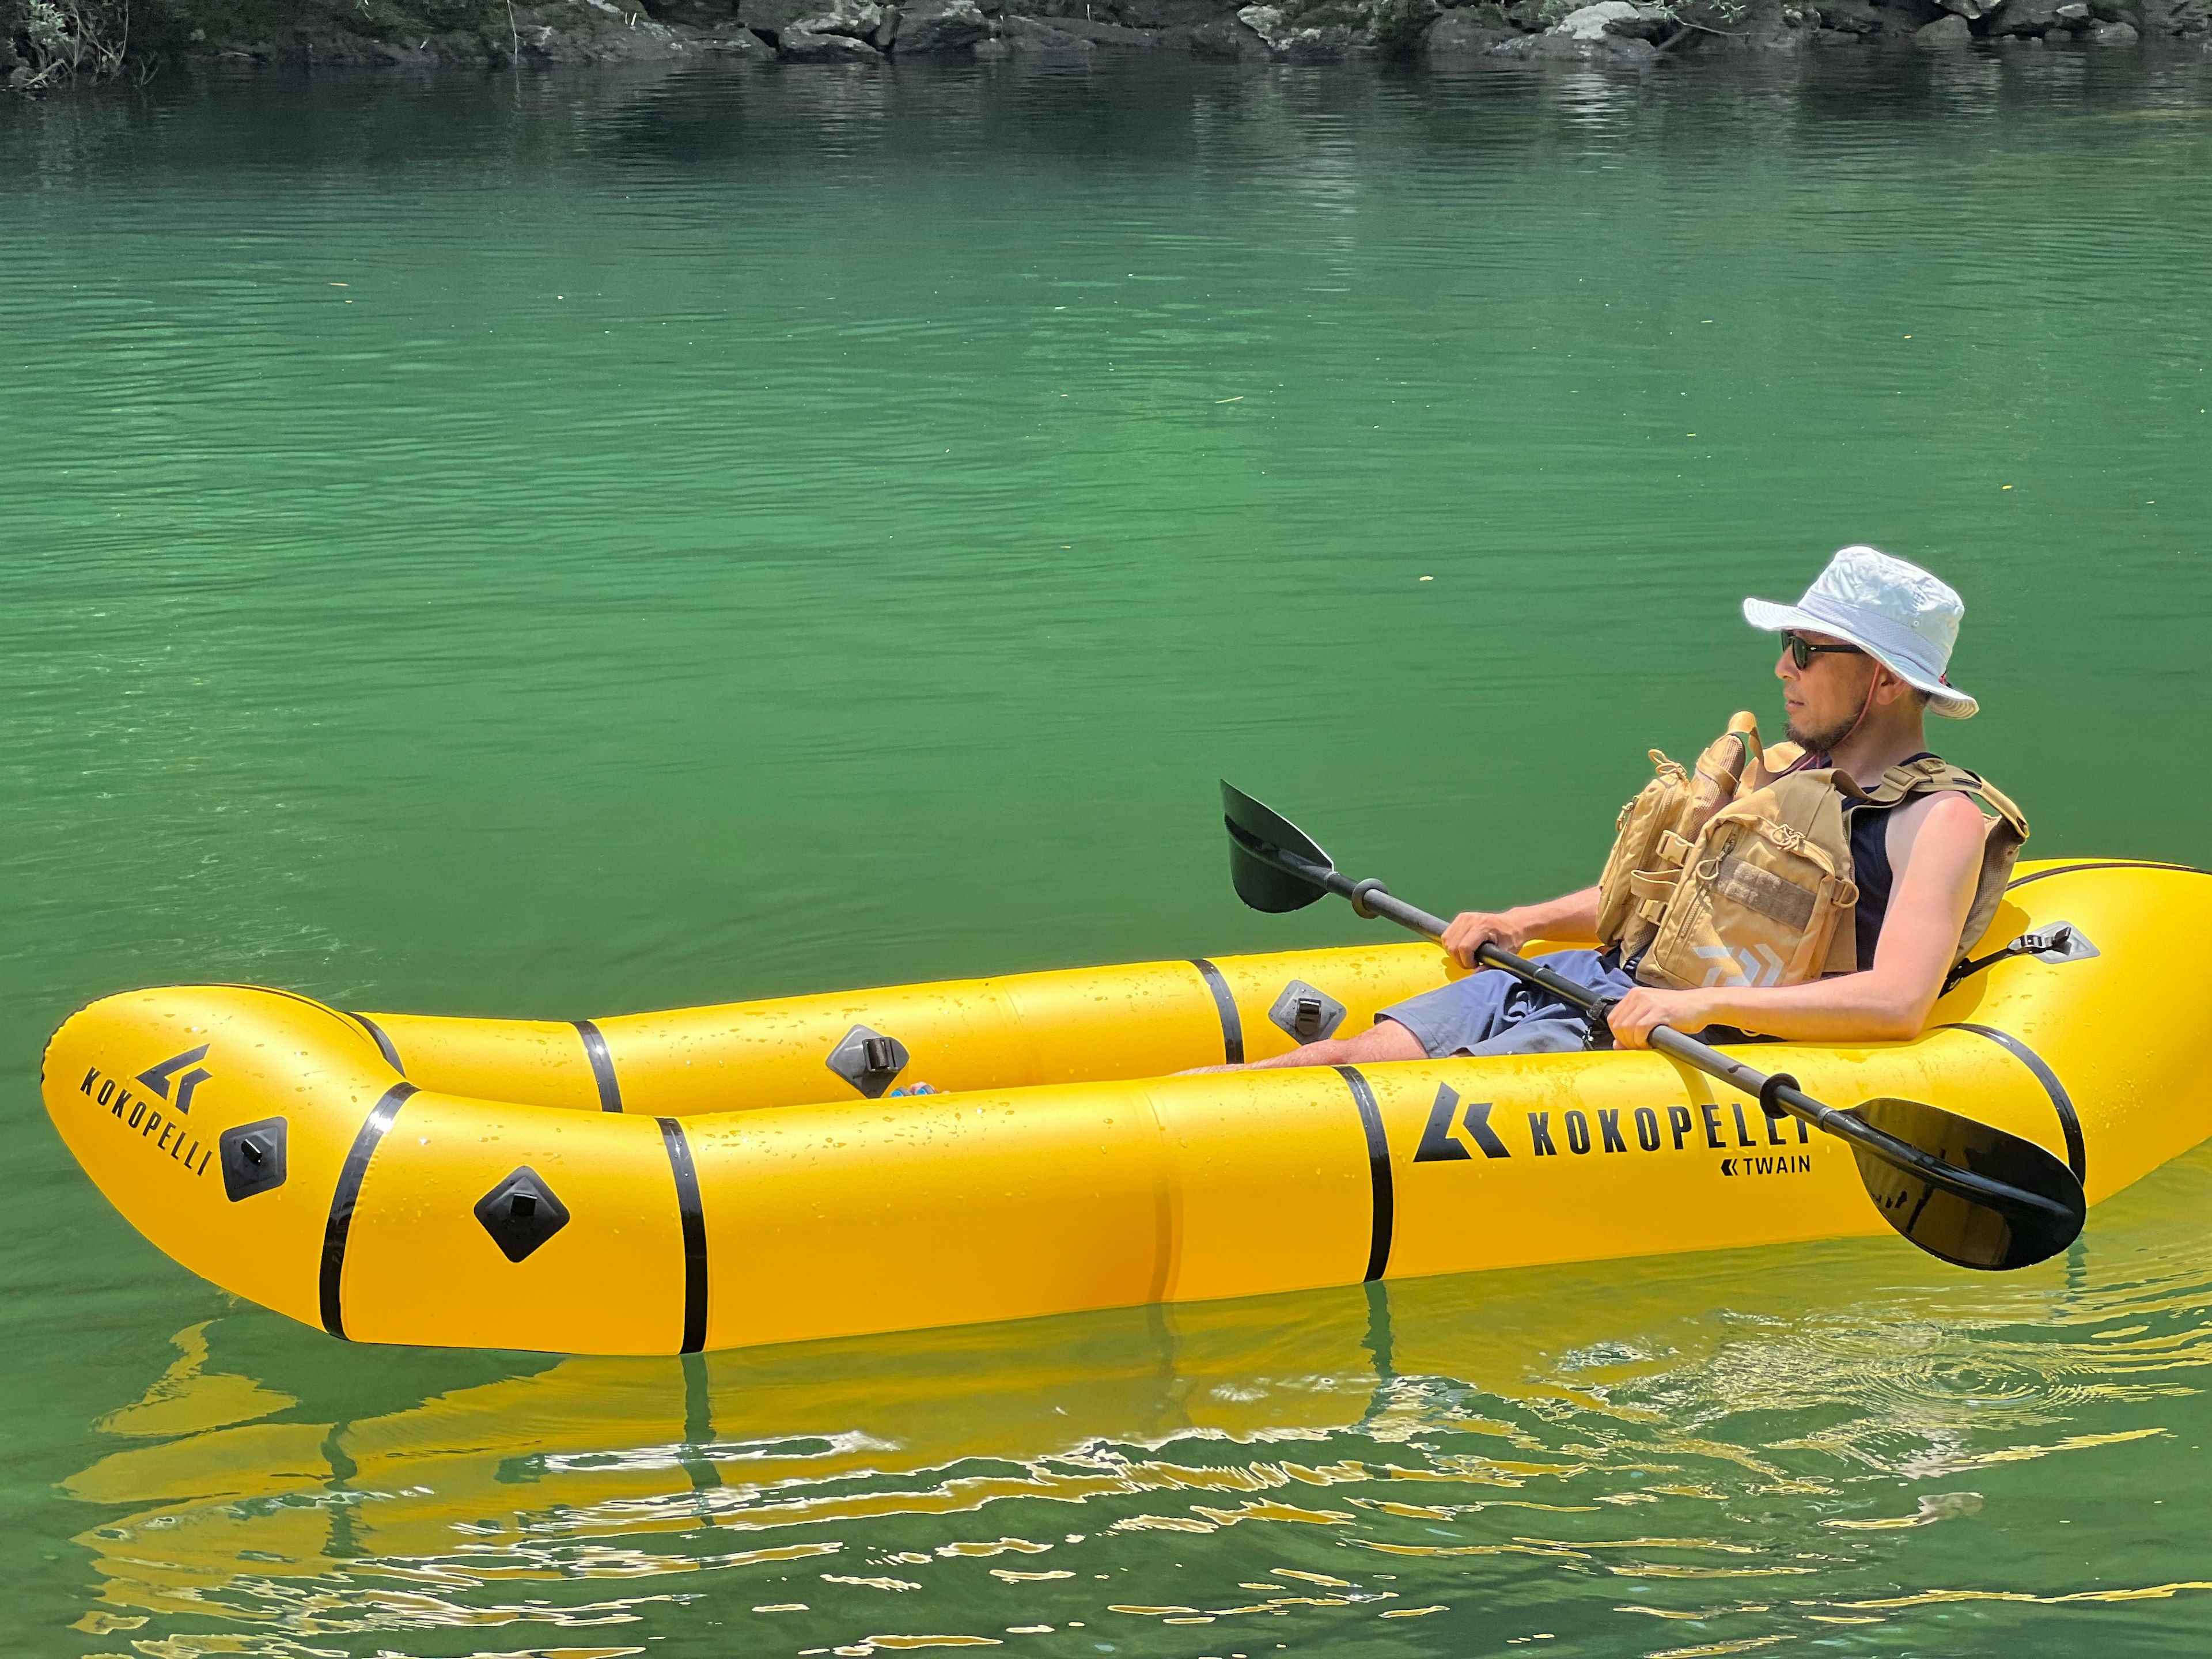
(1960, 1190)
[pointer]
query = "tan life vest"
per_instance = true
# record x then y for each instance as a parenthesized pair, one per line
(1752, 886)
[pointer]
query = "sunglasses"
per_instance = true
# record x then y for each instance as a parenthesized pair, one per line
(1802, 650)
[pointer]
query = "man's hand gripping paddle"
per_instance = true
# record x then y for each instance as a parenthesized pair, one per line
(1961, 1190)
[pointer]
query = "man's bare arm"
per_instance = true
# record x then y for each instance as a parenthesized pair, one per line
(1886, 1003)
(1569, 920)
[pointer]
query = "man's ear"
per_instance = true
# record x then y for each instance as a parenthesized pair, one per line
(1888, 685)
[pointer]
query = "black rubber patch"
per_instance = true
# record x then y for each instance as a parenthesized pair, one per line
(345, 1194)
(253, 1158)
(1378, 1173)
(521, 1213)
(695, 1233)
(1306, 1013)
(2061, 1101)
(603, 1065)
(1232, 1023)
(868, 1060)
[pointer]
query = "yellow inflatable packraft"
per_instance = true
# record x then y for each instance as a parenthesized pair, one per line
(718, 1177)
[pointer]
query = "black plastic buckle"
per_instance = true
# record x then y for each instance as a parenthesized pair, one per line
(1597, 1034)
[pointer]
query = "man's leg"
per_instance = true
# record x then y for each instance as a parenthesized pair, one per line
(1384, 1040)
(1491, 1012)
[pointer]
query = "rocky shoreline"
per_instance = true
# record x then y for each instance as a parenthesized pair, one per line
(44, 43)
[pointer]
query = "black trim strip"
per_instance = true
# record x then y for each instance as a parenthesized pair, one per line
(603, 1065)
(1378, 1173)
(344, 1018)
(2106, 864)
(2076, 1154)
(383, 1042)
(344, 1196)
(694, 1234)
(1232, 1025)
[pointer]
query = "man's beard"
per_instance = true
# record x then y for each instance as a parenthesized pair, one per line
(1820, 741)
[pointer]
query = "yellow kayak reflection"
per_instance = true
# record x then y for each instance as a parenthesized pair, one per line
(628, 1471)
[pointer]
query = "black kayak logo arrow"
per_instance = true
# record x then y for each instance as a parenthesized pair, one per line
(158, 1078)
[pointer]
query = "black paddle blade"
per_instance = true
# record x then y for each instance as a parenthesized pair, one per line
(1261, 882)
(1991, 1233)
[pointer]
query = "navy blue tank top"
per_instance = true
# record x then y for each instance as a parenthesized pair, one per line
(1870, 871)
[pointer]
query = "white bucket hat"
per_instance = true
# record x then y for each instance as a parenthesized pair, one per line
(1905, 619)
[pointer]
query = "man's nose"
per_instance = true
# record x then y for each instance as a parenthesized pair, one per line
(1784, 667)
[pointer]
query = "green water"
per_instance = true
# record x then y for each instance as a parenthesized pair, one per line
(562, 548)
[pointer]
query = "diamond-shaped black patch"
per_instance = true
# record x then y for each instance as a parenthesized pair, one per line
(521, 1213)
(1306, 1013)
(868, 1060)
(253, 1158)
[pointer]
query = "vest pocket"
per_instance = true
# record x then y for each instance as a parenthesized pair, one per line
(1765, 893)
(1637, 832)
(1759, 909)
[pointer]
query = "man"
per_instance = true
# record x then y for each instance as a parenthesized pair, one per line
(1857, 847)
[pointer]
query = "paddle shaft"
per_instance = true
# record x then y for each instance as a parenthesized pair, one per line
(1370, 898)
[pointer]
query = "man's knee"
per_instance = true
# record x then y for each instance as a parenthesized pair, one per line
(1386, 1039)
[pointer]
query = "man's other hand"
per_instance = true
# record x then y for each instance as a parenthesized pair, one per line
(1635, 1014)
(1471, 930)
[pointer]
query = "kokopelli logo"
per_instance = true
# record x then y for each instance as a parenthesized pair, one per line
(1753, 964)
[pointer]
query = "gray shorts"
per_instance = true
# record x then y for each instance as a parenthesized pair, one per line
(1494, 1013)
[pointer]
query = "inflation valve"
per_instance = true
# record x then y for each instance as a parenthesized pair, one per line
(521, 1213)
(1307, 1013)
(252, 1158)
(868, 1060)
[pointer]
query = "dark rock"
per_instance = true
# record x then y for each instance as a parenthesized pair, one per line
(939, 28)
(772, 17)
(706, 15)
(799, 46)
(1944, 31)
(1971, 8)
(1227, 37)
(1400, 25)
(1781, 29)
(1851, 17)
(1463, 34)
(2175, 17)
(1104, 35)
(2018, 18)
(2114, 34)
(1131, 14)
(1902, 19)
(886, 31)
(1028, 37)
(737, 43)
